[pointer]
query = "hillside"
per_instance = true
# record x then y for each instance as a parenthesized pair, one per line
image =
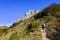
(30, 28)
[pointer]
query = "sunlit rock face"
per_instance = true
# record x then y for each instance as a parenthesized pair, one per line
(31, 13)
(28, 15)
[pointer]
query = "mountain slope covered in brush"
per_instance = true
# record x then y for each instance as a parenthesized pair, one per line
(30, 28)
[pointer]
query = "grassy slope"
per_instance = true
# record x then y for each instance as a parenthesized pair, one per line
(20, 32)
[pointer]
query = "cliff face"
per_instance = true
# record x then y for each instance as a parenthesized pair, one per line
(31, 13)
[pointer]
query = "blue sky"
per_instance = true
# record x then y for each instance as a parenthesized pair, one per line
(11, 10)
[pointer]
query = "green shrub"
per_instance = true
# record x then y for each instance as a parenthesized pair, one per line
(24, 34)
(57, 15)
(35, 23)
(13, 25)
(14, 36)
(41, 15)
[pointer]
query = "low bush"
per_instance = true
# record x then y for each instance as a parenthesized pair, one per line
(14, 36)
(53, 32)
(33, 25)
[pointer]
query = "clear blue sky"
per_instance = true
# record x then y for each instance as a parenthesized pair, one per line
(11, 10)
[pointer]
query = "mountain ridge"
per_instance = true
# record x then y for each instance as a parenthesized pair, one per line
(29, 26)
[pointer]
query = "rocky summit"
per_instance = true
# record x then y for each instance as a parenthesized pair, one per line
(28, 15)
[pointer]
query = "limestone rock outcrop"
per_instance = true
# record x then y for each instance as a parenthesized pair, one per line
(28, 14)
